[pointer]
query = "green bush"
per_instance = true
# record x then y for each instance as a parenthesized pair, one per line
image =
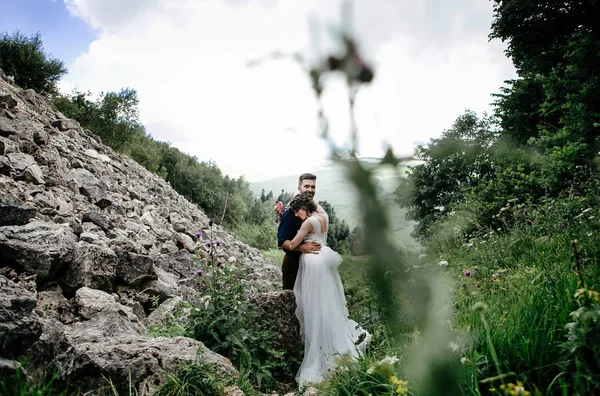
(263, 237)
(24, 58)
(229, 324)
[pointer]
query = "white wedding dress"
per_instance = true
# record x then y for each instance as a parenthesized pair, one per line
(322, 312)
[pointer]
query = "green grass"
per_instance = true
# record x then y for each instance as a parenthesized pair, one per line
(527, 274)
(275, 254)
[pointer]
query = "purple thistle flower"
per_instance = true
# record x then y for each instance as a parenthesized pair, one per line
(467, 273)
(199, 272)
(198, 234)
(219, 261)
(210, 222)
(218, 242)
(207, 243)
(478, 284)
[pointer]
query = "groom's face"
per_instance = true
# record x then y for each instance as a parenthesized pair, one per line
(307, 186)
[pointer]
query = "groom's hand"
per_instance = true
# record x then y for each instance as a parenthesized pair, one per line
(309, 247)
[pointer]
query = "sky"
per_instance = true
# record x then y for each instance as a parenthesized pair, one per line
(188, 61)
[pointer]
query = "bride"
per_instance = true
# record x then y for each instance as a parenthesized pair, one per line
(320, 300)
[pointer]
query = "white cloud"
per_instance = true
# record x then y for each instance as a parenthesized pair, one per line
(187, 59)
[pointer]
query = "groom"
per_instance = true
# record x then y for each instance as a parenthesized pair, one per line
(288, 227)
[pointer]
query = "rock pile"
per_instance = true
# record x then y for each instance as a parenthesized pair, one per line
(88, 240)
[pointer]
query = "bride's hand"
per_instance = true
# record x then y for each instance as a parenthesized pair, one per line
(309, 247)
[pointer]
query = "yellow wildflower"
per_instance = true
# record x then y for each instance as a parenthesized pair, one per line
(402, 385)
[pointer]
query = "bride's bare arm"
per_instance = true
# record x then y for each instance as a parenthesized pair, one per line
(302, 232)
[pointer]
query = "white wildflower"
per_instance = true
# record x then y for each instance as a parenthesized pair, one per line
(232, 259)
(443, 263)
(576, 314)
(453, 346)
(389, 360)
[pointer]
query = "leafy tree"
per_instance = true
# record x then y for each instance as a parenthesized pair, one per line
(24, 58)
(539, 31)
(285, 197)
(266, 197)
(113, 116)
(555, 104)
(338, 230)
(460, 158)
(356, 242)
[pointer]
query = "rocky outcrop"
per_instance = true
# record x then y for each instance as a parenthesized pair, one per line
(100, 241)
(280, 308)
(93, 218)
(19, 325)
(114, 345)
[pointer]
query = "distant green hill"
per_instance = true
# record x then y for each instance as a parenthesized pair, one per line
(333, 187)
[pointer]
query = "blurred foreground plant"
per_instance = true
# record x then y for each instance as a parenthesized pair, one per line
(413, 305)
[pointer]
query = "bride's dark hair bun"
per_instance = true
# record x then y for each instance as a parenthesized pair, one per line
(303, 201)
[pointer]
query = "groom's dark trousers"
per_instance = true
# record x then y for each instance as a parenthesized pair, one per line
(289, 225)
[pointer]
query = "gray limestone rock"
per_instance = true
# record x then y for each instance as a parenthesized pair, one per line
(93, 266)
(65, 124)
(19, 325)
(13, 211)
(37, 248)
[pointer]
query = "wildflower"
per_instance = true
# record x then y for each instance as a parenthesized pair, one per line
(232, 259)
(478, 284)
(465, 362)
(453, 346)
(401, 385)
(199, 272)
(219, 261)
(198, 234)
(443, 263)
(476, 268)
(467, 273)
(210, 222)
(384, 367)
(218, 242)
(528, 222)
(389, 360)
(479, 306)
(207, 243)
(205, 300)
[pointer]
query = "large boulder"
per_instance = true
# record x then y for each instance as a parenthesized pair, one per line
(280, 308)
(92, 266)
(113, 346)
(37, 248)
(19, 326)
(13, 211)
